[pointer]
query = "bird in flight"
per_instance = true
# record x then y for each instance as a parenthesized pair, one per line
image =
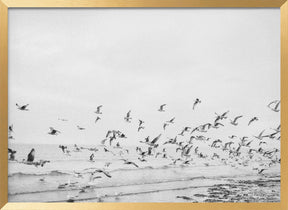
(165, 125)
(127, 162)
(141, 122)
(97, 119)
(80, 128)
(260, 171)
(252, 120)
(260, 136)
(197, 101)
(140, 127)
(22, 107)
(153, 142)
(276, 107)
(10, 128)
(98, 109)
(128, 117)
(102, 171)
(222, 116)
(234, 122)
(171, 121)
(232, 137)
(53, 131)
(161, 108)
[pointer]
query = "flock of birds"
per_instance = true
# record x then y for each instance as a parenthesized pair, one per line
(238, 150)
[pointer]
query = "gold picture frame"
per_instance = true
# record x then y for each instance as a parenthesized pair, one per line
(6, 4)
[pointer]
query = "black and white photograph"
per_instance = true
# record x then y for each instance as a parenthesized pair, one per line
(144, 105)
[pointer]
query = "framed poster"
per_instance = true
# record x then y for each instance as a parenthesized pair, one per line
(143, 104)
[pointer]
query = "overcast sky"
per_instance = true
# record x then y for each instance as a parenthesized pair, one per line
(66, 62)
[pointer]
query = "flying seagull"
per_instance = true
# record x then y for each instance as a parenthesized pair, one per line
(234, 122)
(161, 108)
(80, 128)
(197, 101)
(252, 120)
(98, 111)
(128, 117)
(276, 104)
(23, 107)
(97, 119)
(53, 131)
(171, 121)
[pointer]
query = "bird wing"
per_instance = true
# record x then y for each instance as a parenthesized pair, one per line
(135, 164)
(272, 102)
(277, 105)
(260, 135)
(104, 172)
(172, 120)
(224, 114)
(155, 139)
(238, 117)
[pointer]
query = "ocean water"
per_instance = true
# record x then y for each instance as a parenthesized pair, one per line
(68, 178)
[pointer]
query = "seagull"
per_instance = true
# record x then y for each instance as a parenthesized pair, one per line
(141, 122)
(276, 108)
(261, 171)
(182, 133)
(278, 129)
(91, 157)
(252, 120)
(23, 107)
(97, 119)
(222, 116)
(165, 125)
(63, 148)
(197, 101)
(141, 127)
(99, 171)
(146, 140)
(195, 129)
(153, 142)
(260, 136)
(232, 137)
(234, 122)
(276, 105)
(171, 121)
(161, 109)
(80, 128)
(53, 131)
(217, 124)
(10, 128)
(130, 163)
(98, 111)
(127, 117)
